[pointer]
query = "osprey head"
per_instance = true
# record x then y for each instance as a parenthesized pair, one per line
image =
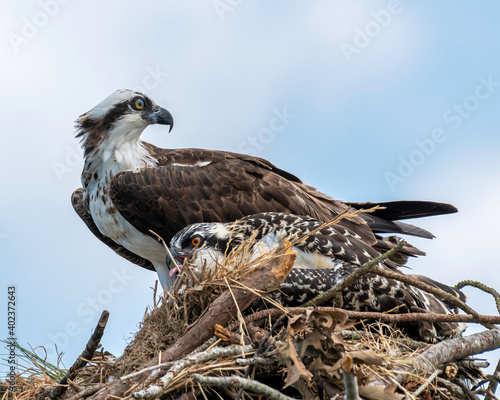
(121, 117)
(203, 245)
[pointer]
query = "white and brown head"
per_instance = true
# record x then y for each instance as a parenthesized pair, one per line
(120, 119)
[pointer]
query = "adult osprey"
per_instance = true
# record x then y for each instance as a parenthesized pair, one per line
(131, 187)
(325, 255)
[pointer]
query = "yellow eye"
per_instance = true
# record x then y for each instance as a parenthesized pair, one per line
(196, 241)
(139, 103)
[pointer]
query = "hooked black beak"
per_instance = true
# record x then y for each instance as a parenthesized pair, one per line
(162, 117)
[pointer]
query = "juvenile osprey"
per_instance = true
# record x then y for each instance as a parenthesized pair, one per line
(131, 187)
(325, 255)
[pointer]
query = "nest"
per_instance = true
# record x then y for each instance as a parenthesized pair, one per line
(206, 339)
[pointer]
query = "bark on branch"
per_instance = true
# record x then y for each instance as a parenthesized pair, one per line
(445, 352)
(389, 318)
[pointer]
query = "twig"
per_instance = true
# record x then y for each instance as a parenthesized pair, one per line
(445, 352)
(487, 393)
(424, 385)
(454, 389)
(472, 363)
(405, 342)
(238, 382)
(482, 287)
(80, 362)
(243, 362)
(352, 277)
(430, 289)
(160, 239)
(257, 316)
(147, 369)
(349, 213)
(259, 349)
(258, 334)
(87, 391)
(229, 336)
(177, 366)
(239, 314)
(209, 343)
(351, 386)
(492, 387)
(392, 318)
(466, 390)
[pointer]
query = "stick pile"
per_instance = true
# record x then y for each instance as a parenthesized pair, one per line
(207, 342)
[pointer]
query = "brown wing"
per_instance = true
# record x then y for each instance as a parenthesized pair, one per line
(79, 206)
(180, 192)
(320, 204)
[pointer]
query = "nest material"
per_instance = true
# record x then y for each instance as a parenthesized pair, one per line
(305, 357)
(309, 354)
(162, 326)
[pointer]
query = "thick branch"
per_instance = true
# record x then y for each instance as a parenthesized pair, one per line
(445, 352)
(243, 383)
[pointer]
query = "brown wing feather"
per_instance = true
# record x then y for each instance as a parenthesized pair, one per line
(396, 210)
(167, 198)
(384, 220)
(79, 206)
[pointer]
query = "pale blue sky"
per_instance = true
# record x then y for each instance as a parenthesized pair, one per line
(388, 101)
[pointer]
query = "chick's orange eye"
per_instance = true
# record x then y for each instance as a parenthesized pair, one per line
(196, 241)
(139, 103)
